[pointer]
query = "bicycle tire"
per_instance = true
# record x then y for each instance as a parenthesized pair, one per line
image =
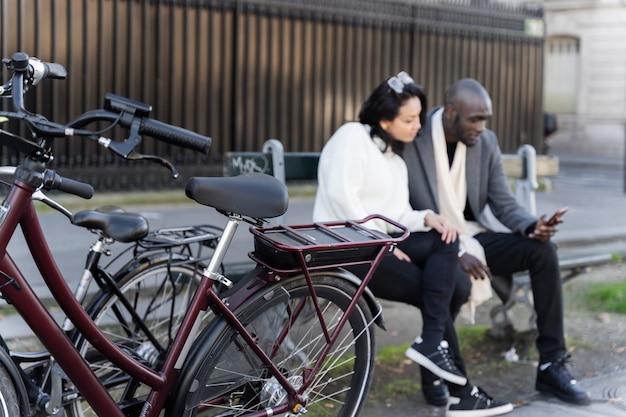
(151, 291)
(9, 401)
(225, 378)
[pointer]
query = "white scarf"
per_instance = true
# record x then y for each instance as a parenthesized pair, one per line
(452, 188)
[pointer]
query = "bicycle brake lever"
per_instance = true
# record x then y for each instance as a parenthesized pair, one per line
(134, 156)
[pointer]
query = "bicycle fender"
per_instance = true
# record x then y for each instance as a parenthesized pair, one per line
(254, 285)
(368, 296)
(16, 378)
(146, 261)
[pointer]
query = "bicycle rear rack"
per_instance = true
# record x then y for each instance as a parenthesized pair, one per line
(207, 235)
(286, 249)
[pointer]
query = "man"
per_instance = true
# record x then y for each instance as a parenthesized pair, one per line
(455, 169)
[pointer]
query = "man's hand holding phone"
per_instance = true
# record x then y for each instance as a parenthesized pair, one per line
(545, 229)
(557, 217)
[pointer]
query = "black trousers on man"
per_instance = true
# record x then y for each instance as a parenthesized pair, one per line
(508, 253)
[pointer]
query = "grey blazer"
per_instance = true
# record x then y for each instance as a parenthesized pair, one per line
(487, 186)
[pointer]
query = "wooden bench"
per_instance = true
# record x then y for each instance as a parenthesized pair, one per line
(524, 169)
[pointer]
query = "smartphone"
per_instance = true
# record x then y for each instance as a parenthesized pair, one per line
(560, 212)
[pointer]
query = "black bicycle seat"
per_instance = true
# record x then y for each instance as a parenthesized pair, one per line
(113, 222)
(254, 195)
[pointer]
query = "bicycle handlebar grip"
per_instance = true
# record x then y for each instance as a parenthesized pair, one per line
(77, 188)
(175, 135)
(41, 70)
(53, 181)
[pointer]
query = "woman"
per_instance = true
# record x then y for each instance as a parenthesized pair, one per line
(360, 173)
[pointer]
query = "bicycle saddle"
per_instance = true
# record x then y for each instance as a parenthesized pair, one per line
(254, 195)
(113, 222)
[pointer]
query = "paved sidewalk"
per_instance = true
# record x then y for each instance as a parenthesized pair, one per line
(608, 393)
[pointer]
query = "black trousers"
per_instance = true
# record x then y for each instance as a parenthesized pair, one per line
(432, 282)
(508, 253)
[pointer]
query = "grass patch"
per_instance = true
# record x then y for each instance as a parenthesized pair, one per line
(609, 297)
(391, 355)
(143, 198)
(472, 336)
(148, 198)
(574, 342)
(399, 386)
(7, 310)
(49, 304)
(395, 375)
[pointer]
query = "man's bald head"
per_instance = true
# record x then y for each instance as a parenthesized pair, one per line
(463, 90)
(467, 110)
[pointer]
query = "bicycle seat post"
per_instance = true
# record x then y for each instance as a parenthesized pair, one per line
(211, 271)
(93, 257)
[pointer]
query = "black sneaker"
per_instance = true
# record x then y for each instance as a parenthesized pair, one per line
(437, 360)
(477, 404)
(556, 380)
(434, 389)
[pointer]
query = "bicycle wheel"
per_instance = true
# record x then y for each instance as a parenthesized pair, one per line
(9, 403)
(159, 295)
(225, 378)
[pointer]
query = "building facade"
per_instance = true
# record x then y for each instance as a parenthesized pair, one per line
(585, 75)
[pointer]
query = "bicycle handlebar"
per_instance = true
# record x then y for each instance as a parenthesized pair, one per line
(118, 110)
(175, 135)
(164, 132)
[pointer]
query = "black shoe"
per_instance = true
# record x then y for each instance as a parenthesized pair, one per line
(435, 392)
(556, 380)
(437, 360)
(477, 404)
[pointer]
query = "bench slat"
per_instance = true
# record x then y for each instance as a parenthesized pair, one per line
(547, 166)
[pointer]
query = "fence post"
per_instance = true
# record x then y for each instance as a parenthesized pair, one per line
(275, 147)
(525, 188)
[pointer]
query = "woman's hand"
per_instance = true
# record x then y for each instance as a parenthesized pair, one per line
(442, 225)
(401, 255)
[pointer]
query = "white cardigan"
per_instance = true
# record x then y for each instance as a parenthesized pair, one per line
(356, 179)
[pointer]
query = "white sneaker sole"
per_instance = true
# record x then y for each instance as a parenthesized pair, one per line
(484, 412)
(417, 357)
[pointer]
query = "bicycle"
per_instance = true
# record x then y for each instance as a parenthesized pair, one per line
(140, 305)
(294, 335)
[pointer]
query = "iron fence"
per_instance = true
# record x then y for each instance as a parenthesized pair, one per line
(244, 71)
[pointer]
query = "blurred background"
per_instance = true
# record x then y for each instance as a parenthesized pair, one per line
(245, 71)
